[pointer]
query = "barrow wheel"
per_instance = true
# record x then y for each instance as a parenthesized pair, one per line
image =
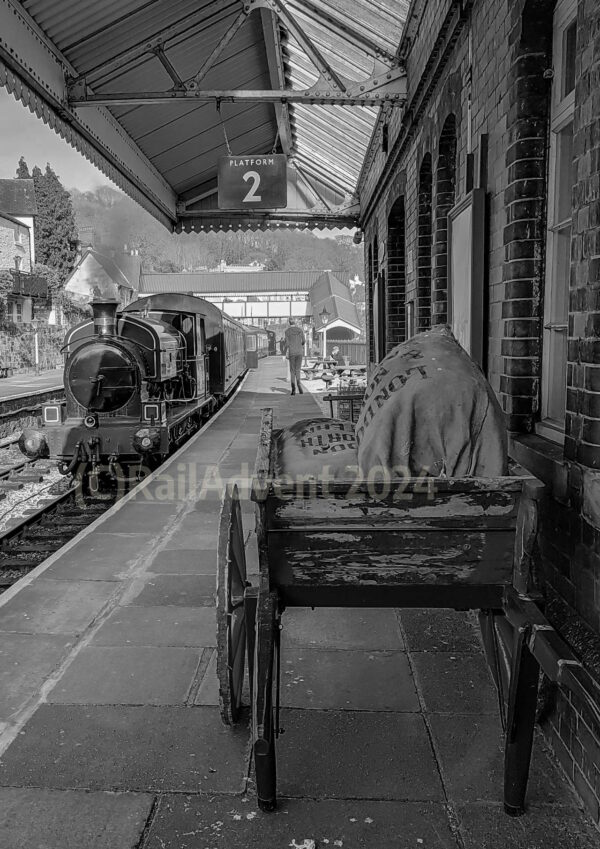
(231, 609)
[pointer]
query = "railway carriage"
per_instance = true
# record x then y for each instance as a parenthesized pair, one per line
(257, 345)
(138, 382)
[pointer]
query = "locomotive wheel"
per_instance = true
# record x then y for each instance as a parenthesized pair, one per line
(231, 609)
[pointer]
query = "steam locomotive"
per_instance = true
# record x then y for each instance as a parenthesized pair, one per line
(137, 383)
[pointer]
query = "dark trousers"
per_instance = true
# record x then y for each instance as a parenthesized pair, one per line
(295, 363)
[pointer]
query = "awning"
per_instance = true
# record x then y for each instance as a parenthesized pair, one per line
(154, 92)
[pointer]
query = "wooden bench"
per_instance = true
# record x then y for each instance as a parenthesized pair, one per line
(465, 543)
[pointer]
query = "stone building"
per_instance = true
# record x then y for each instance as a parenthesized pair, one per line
(480, 205)
(17, 249)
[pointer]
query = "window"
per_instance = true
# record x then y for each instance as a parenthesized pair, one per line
(558, 237)
(18, 312)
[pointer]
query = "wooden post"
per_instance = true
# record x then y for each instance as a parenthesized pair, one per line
(250, 600)
(525, 538)
(263, 726)
(522, 702)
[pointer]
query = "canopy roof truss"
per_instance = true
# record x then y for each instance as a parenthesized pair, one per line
(386, 83)
(154, 91)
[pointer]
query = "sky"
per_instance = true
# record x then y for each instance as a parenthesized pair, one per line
(22, 133)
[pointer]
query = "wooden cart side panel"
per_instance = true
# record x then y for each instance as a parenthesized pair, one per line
(376, 550)
(526, 535)
(263, 453)
(390, 558)
(390, 488)
(486, 509)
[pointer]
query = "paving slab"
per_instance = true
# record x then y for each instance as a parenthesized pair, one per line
(335, 628)
(455, 682)
(128, 675)
(185, 561)
(197, 529)
(486, 826)
(158, 626)
(140, 749)
(180, 590)
(347, 680)
(196, 822)
(356, 755)
(26, 661)
(471, 756)
(145, 516)
(55, 607)
(207, 693)
(434, 629)
(101, 556)
(70, 819)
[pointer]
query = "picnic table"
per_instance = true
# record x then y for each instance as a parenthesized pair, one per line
(328, 372)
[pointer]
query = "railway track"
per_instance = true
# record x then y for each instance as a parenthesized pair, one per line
(57, 518)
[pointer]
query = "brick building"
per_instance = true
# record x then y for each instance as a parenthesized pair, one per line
(480, 205)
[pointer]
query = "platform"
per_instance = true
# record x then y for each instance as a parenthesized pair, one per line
(111, 736)
(27, 384)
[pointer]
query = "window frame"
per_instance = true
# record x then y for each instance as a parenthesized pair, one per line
(562, 111)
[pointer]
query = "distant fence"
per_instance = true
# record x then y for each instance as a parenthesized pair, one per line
(355, 351)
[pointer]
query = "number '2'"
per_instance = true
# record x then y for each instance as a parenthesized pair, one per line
(255, 177)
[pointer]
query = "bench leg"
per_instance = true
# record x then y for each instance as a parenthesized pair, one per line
(263, 724)
(522, 702)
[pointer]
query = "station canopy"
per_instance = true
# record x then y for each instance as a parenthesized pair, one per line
(153, 92)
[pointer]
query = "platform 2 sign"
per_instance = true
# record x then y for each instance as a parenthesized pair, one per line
(253, 182)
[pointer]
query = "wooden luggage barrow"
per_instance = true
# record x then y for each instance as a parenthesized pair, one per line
(461, 543)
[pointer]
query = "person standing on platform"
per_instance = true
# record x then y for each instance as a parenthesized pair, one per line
(294, 346)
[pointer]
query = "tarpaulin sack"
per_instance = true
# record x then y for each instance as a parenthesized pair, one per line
(430, 410)
(319, 448)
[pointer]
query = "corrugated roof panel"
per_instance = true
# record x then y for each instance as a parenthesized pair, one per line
(109, 42)
(223, 282)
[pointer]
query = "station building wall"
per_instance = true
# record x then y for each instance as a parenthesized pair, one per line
(485, 110)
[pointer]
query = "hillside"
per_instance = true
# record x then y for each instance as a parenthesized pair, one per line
(109, 220)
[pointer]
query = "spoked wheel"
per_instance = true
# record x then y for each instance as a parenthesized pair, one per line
(231, 609)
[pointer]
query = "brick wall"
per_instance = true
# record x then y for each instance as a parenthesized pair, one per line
(396, 280)
(486, 123)
(583, 376)
(525, 201)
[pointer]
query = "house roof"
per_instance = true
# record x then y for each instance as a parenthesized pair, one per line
(154, 92)
(223, 282)
(4, 216)
(332, 294)
(85, 273)
(17, 197)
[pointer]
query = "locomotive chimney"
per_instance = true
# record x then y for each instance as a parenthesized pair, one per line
(105, 316)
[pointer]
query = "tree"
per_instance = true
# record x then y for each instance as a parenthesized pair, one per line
(23, 170)
(54, 228)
